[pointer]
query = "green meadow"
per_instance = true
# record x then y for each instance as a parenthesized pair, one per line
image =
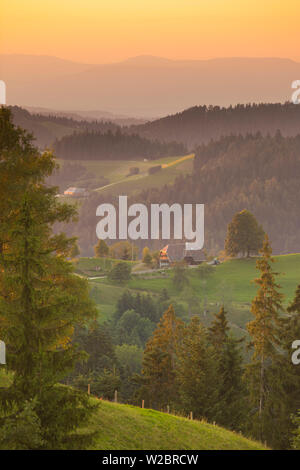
(125, 427)
(117, 173)
(231, 284)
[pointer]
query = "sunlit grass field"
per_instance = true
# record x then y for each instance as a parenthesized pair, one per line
(132, 428)
(127, 427)
(116, 172)
(230, 284)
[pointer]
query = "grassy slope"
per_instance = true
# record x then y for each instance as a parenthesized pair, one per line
(167, 175)
(127, 427)
(105, 298)
(117, 172)
(231, 284)
(87, 266)
(238, 276)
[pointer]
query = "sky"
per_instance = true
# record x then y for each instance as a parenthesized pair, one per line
(105, 31)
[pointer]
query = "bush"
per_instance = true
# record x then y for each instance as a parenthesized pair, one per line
(120, 272)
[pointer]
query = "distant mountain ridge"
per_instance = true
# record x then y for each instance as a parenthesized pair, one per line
(200, 124)
(46, 128)
(145, 86)
(192, 127)
(79, 115)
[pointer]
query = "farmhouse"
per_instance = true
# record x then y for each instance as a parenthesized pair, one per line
(164, 261)
(176, 252)
(76, 192)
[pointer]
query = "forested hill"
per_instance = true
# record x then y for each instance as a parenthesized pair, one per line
(113, 146)
(200, 124)
(257, 173)
(47, 128)
(191, 127)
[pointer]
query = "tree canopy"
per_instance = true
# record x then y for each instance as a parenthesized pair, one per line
(244, 235)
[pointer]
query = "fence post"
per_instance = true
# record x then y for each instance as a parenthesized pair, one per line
(143, 403)
(116, 396)
(89, 389)
(168, 409)
(191, 415)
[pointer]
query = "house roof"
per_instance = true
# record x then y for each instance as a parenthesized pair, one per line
(75, 190)
(177, 252)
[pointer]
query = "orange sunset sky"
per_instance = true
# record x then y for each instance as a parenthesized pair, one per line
(101, 31)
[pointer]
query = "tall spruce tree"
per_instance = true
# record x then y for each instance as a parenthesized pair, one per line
(290, 372)
(266, 388)
(231, 409)
(41, 301)
(159, 362)
(197, 372)
(219, 329)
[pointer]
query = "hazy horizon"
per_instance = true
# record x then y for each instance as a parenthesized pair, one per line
(151, 56)
(145, 86)
(148, 59)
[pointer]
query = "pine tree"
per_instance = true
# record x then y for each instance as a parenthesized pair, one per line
(97, 342)
(219, 329)
(125, 302)
(197, 372)
(159, 361)
(266, 394)
(41, 301)
(101, 249)
(232, 401)
(231, 407)
(290, 373)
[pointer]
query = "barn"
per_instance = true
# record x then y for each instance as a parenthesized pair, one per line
(176, 252)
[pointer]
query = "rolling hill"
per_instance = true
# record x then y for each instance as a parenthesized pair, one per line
(46, 128)
(117, 179)
(201, 124)
(230, 284)
(124, 427)
(172, 167)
